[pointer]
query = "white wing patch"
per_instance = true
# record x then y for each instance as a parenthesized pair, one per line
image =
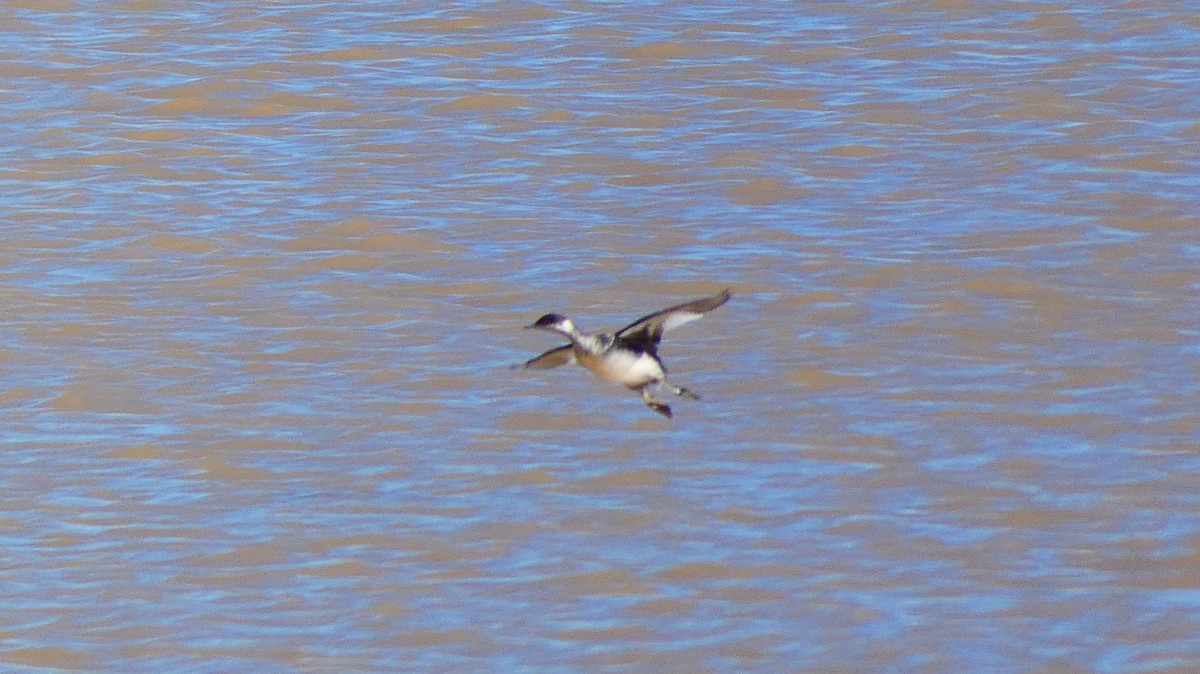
(677, 318)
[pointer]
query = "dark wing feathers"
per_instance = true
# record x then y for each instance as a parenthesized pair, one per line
(561, 355)
(644, 333)
(655, 324)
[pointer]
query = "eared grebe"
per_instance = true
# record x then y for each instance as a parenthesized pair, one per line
(628, 356)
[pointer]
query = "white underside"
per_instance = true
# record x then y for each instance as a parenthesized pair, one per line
(629, 369)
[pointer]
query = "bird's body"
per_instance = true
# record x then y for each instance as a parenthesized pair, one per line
(628, 356)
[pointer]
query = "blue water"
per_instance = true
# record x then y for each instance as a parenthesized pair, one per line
(266, 267)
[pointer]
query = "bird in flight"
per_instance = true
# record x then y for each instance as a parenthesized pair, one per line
(628, 356)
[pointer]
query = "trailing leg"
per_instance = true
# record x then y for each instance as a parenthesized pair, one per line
(682, 392)
(662, 408)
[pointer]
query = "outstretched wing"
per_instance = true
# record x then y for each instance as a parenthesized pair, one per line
(561, 355)
(650, 328)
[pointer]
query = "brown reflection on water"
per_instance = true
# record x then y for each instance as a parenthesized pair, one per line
(265, 270)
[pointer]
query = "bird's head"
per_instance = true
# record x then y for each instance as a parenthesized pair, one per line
(554, 323)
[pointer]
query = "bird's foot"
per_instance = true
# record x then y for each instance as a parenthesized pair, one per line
(662, 408)
(684, 393)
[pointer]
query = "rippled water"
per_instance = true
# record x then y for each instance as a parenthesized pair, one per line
(264, 270)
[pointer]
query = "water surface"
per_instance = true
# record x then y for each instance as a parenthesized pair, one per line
(264, 272)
